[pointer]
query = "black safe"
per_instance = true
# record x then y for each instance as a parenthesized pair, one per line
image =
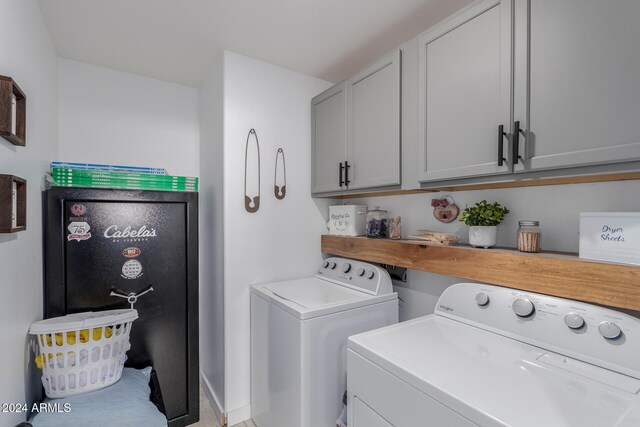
(101, 246)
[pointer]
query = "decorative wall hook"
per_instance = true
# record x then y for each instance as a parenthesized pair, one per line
(280, 192)
(251, 204)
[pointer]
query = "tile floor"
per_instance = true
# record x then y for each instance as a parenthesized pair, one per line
(208, 416)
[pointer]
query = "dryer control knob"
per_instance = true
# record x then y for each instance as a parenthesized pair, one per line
(346, 267)
(609, 330)
(482, 299)
(523, 307)
(574, 321)
(332, 265)
(370, 275)
(325, 264)
(361, 271)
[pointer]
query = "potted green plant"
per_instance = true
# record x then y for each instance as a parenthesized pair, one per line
(483, 220)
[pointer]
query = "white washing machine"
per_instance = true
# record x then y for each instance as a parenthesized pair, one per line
(299, 331)
(492, 356)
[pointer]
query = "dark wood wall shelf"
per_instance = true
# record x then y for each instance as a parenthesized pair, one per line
(12, 118)
(7, 207)
(559, 274)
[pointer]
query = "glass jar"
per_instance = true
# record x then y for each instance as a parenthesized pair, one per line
(529, 236)
(377, 223)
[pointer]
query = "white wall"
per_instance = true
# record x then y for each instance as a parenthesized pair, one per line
(556, 207)
(211, 234)
(26, 54)
(108, 116)
(281, 240)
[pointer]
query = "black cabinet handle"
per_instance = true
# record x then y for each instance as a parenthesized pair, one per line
(346, 173)
(516, 142)
(501, 135)
(340, 173)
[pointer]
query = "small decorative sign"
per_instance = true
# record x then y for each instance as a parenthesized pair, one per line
(78, 209)
(610, 236)
(347, 220)
(131, 252)
(445, 209)
(79, 230)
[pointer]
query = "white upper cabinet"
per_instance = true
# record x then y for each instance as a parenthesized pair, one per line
(373, 117)
(501, 87)
(355, 130)
(465, 94)
(577, 82)
(329, 139)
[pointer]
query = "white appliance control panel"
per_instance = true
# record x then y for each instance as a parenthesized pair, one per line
(357, 275)
(587, 332)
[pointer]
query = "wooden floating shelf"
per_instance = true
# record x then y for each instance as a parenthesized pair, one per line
(552, 273)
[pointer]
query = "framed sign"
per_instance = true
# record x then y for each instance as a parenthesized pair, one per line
(610, 236)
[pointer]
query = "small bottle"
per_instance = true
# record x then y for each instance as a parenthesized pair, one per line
(377, 223)
(529, 236)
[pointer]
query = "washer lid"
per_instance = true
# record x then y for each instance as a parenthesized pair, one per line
(312, 297)
(497, 381)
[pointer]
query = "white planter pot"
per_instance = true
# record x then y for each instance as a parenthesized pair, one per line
(483, 236)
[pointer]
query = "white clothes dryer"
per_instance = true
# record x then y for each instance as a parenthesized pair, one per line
(497, 357)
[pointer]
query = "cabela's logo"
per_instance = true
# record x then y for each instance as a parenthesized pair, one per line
(112, 232)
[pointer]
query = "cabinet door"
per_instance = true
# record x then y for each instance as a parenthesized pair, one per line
(374, 124)
(329, 138)
(465, 93)
(577, 94)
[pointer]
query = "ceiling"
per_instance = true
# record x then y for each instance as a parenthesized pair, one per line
(176, 40)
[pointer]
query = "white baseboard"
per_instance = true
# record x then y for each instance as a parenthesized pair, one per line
(213, 399)
(238, 415)
(232, 417)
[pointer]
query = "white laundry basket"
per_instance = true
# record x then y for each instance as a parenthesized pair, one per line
(83, 352)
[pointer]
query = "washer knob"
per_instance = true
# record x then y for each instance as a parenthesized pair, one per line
(325, 264)
(332, 265)
(609, 330)
(523, 307)
(346, 267)
(482, 299)
(370, 275)
(361, 271)
(574, 321)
